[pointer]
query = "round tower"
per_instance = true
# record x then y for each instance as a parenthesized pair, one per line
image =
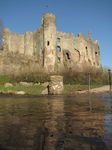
(49, 42)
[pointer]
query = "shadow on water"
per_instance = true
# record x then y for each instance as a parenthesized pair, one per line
(81, 122)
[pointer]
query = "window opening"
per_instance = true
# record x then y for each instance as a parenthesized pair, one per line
(59, 59)
(86, 50)
(68, 56)
(96, 53)
(58, 39)
(58, 48)
(48, 43)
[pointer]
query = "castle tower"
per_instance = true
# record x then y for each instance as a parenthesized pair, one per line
(6, 39)
(49, 42)
(89, 36)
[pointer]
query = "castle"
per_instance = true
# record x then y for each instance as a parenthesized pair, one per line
(47, 49)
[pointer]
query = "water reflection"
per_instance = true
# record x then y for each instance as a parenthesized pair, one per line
(107, 100)
(82, 122)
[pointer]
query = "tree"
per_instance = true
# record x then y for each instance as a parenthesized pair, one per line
(1, 34)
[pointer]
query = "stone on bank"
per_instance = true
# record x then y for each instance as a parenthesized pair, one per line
(56, 85)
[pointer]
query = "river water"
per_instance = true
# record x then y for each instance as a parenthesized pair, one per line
(80, 122)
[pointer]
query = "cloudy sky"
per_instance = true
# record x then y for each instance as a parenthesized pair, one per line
(72, 16)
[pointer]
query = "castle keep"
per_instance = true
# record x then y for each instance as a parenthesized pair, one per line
(47, 49)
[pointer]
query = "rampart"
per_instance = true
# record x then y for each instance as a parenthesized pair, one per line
(48, 49)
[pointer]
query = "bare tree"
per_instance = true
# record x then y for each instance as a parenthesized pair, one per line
(1, 34)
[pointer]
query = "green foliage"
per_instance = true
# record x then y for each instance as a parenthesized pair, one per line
(31, 90)
(30, 77)
(97, 77)
(4, 79)
(71, 89)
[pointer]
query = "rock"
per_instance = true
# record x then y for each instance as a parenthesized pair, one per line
(8, 85)
(56, 85)
(2, 92)
(45, 91)
(45, 84)
(11, 92)
(25, 83)
(21, 92)
(37, 84)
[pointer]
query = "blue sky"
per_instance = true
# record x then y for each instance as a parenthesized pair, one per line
(72, 16)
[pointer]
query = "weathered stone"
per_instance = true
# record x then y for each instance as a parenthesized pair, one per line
(2, 92)
(36, 84)
(8, 85)
(57, 52)
(25, 83)
(56, 85)
(11, 92)
(45, 91)
(20, 92)
(45, 84)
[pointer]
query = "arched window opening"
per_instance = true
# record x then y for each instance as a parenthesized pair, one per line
(48, 43)
(86, 50)
(68, 56)
(58, 39)
(96, 53)
(58, 48)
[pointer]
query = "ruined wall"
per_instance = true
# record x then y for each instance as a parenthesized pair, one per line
(91, 50)
(6, 39)
(28, 43)
(77, 52)
(36, 36)
(13, 42)
(16, 43)
(48, 50)
(19, 43)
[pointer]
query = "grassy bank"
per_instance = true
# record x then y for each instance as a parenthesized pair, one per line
(73, 81)
(37, 89)
(30, 90)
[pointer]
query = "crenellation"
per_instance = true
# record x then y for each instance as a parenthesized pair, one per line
(48, 49)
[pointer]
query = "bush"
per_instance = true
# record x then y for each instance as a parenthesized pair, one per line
(97, 77)
(4, 79)
(30, 77)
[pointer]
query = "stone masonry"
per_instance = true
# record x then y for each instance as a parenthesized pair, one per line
(47, 49)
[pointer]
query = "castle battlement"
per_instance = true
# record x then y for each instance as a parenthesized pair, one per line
(49, 49)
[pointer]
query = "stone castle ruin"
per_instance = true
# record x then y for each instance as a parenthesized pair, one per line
(47, 49)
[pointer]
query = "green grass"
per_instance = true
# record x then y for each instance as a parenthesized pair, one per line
(31, 90)
(4, 79)
(71, 89)
(37, 90)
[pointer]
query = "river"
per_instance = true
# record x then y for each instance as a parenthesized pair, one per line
(74, 122)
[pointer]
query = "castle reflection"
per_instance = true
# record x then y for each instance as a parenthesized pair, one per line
(54, 122)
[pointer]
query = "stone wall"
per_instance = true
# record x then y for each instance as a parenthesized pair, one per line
(77, 52)
(54, 51)
(56, 85)
(16, 63)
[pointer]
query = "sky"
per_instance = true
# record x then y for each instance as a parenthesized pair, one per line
(71, 15)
